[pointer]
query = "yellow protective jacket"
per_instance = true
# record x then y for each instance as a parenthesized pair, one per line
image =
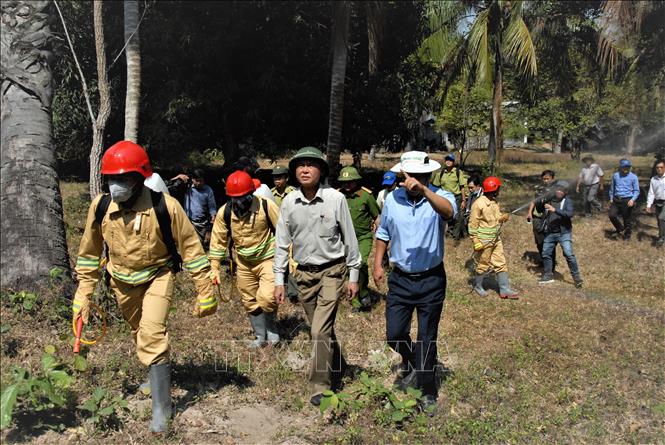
(136, 250)
(252, 239)
(484, 221)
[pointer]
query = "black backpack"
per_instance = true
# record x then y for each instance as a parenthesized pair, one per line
(227, 220)
(163, 218)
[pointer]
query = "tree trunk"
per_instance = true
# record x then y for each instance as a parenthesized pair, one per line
(99, 125)
(632, 136)
(340, 41)
(556, 146)
(229, 148)
(495, 145)
(375, 25)
(133, 96)
(33, 232)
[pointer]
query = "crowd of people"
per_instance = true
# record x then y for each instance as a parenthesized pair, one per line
(311, 244)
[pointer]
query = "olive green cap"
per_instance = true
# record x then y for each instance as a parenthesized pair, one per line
(349, 173)
(280, 171)
(310, 153)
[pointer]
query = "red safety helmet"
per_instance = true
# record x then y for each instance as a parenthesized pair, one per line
(491, 184)
(239, 183)
(125, 157)
(257, 183)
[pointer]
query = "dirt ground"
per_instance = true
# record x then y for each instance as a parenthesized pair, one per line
(558, 365)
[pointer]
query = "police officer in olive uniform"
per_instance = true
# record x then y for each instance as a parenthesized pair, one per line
(280, 176)
(364, 211)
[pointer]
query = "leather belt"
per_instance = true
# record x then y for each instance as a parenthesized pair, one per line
(426, 273)
(320, 267)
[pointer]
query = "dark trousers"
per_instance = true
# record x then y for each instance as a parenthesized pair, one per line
(202, 229)
(538, 235)
(619, 210)
(659, 205)
(424, 294)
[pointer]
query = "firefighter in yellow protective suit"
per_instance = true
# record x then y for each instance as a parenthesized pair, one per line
(132, 222)
(484, 230)
(248, 227)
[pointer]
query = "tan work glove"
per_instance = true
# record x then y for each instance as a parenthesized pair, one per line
(215, 277)
(81, 308)
(205, 306)
(504, 217)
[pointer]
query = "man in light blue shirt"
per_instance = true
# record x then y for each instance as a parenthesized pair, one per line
(413, 221)
(624, 191)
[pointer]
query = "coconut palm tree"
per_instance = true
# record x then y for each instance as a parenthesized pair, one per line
(481, 36)
(340, 41)
(32, 235)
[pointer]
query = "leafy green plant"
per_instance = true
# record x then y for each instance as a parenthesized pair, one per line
(395, 407)
(23, 301)
(104, 408)
(44, 390)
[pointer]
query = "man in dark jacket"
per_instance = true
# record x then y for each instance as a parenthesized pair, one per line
(559, 230)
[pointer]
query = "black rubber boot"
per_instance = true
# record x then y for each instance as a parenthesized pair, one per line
(160, 389)
(258, 322)
(272, 335)
(478, 285)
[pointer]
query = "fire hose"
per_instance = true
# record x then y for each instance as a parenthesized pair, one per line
(77, 327)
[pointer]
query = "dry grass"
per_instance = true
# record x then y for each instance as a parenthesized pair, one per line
(558, 365)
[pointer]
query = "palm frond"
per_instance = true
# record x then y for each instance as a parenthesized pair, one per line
(519, 46)
(479, 46)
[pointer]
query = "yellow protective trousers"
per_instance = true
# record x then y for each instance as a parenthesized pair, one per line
(256, 283)
(146, 309)
(491, 257)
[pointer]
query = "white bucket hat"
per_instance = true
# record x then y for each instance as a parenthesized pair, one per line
(416, 162)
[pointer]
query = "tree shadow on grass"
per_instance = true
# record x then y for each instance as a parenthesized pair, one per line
(206, 378)
(30, 425)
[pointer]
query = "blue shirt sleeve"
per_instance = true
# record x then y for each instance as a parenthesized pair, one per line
(451, 198)
(636, 187)
(567, 209)
(611, 191)
(212, 206)
(382, 232)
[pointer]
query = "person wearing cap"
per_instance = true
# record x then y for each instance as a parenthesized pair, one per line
(252, 168)
(280, 176)
(485, 224)
(656, 199)
(624, 191)
(591, 182)
(248, 227)
(364, 211)
(142, 257)
(413, 222)
(544, 192)
(452, 179)
(389, 184)
(559, 230)
(315, 219)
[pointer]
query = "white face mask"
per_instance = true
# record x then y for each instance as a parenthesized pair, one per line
(121, 189)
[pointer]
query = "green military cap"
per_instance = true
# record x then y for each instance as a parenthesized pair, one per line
(310, 153)
(349, 173)
(280, 171)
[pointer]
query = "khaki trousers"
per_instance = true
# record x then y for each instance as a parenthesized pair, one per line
(256, 283)
(320, 293)
(491, 257)
(146, 309)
